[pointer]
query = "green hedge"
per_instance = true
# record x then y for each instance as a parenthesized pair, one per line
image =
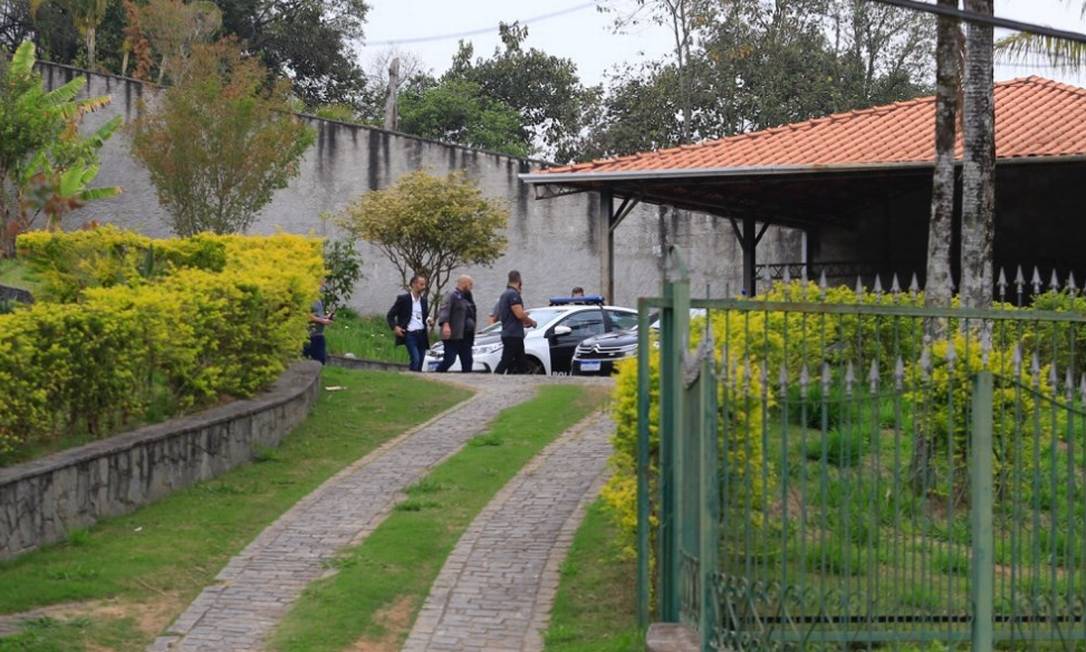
(221, 316)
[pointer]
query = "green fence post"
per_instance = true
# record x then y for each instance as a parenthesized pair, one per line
(644, 396)
(674, 327)
(707, 499)
(980, 490)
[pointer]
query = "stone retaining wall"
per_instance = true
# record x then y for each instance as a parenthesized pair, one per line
(43, 500)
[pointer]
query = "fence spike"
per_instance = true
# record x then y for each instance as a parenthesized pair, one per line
(1017, 359)
(1002, 284)
(951, 353)
(1053, 378)
(763, 375)
(878, 286)
(899, 373)
(859, 287)
(914, 284)
(1082, 387)
(895, 287)
(826, 377)
(925, 362)
(1054, 282)
(822, 280)
(1035, 281)
(804, 379)
(1071, 287)
(787, 274)
(1019, 283)
(1069, 385)
(1035, 368)
(873, 376)
(783, 378)
(985, 344)
(850, 377)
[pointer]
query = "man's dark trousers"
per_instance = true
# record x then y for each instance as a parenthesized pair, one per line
(513, 359)
(416, 348)
(458, 349)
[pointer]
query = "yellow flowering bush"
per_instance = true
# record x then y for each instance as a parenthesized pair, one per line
(223, 316)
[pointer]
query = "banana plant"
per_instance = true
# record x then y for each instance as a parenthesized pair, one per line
(46, 165)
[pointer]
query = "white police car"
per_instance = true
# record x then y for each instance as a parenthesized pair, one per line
(550, 345)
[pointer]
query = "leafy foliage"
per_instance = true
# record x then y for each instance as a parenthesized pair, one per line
(204, 333)
(306, 41)
(220, 143)
(544, 90)
(429, 225)
(46, 166)
(344, 269)
(458, 111)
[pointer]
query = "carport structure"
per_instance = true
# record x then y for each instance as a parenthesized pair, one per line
(859, 185)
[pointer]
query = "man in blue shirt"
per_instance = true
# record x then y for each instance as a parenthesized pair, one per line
(514, 319)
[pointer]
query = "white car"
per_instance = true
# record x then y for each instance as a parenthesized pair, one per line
(550, 345)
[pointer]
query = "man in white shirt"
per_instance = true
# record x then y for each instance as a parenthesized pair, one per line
(408, 320)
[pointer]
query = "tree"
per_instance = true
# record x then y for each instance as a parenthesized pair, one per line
(46, 167)
(85, 15)
(306, 41)
(173, 27)
(1023, 46)
(978, 165)
(754, 65)
(429, 225)
(682, 18)
(220, 141)
(458, 111)
(939, 285)
(543, 89)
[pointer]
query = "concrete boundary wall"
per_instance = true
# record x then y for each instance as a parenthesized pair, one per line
(43, 500)
(556, 243)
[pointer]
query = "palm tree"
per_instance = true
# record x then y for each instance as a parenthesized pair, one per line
(948, 83)
(86, 16)
(978, 164)
(1023, 46)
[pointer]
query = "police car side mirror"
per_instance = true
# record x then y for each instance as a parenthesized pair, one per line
(561, 330)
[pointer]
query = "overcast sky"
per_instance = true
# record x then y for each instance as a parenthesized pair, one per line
(581, 33)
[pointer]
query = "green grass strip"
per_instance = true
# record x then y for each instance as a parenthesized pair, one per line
(173, 548)
(594, 610)
(365, 337)
(382, 584)
(51, 635)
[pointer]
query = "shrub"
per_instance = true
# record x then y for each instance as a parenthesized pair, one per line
(344, 270)
(98, 360)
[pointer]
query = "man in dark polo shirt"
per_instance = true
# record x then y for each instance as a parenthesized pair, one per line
(514, 319)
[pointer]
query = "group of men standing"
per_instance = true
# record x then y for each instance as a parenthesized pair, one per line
(457, 318)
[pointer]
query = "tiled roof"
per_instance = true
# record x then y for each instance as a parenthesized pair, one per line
(1035, 117)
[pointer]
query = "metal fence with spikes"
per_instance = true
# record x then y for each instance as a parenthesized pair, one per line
(1017, 292)
(848, 468)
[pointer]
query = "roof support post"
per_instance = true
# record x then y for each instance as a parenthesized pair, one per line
(607, 260)
(750, 246)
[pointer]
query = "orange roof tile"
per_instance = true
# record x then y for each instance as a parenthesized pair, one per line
(1035, 117)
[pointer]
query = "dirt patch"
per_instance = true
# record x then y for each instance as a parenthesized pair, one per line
(395, 619)
(150, 616)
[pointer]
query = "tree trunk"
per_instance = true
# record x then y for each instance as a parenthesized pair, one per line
(938, 287)
(91, 40)
(978, 165)
(391, 110)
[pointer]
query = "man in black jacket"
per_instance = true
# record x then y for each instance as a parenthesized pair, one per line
(456, 318)
(408, 320)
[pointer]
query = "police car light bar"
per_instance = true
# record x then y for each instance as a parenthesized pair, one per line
(587, 300)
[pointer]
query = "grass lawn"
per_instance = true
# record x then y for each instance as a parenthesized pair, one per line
(372, 602)
(595, 609)
(365, 337)
(13, 273)
(147, 566)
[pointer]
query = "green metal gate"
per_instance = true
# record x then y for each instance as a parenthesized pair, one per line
(851, 469)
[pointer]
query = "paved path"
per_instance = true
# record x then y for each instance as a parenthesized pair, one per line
(498, 585)
(256, 588)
